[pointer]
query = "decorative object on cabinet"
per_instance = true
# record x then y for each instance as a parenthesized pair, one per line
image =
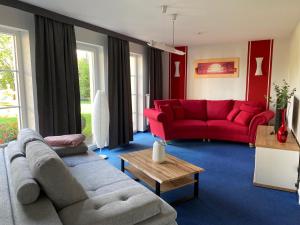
(283, 96)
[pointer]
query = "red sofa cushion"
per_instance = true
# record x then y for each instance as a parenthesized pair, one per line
(194, 109)
(178, 112)
(246, 114)
(226, 127)
(186, 125)
(168, 111)
(244, 118)
(218, 109)
(233, 113)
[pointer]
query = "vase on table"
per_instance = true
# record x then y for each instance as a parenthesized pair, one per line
(282, 132)
(159, 152)
(278, 120)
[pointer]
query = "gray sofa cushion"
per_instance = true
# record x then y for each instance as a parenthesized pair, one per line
(67, 151)
(52, 174)
(167, 216)
(74, 160)
(27, 135)
(106, 174)
(14, 151)
(124, 207)
(26, 188)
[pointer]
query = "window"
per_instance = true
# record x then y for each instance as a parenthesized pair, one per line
(136, 76)
(88, 57)
(11, 103)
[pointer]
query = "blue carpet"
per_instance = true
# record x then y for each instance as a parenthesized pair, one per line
(226, 192)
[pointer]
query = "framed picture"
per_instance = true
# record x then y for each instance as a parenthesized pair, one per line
(216, 68)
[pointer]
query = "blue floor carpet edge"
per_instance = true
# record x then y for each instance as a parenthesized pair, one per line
(227, 195)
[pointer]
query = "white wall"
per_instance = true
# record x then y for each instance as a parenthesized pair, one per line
(217, 88)
(231, 88)
(280, 63)
(294, 80)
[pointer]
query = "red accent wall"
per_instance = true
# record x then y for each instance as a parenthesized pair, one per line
(259, 86)
(177, 85)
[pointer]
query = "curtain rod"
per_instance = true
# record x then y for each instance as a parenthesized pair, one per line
(65, 19)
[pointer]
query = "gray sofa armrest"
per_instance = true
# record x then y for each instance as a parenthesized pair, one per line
(123, 207)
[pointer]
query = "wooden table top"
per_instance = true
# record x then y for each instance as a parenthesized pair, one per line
(265, 139)
(172, 169)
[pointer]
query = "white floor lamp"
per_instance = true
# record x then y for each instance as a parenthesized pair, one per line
(100, 120)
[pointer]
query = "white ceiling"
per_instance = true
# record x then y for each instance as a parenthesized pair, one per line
(218, 21)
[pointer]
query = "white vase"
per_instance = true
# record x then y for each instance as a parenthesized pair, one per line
(158, 153)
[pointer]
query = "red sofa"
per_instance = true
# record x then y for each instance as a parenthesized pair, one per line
(230, 120)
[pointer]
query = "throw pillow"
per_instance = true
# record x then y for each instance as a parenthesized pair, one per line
(233, 113)
(178, 112)
(244, 118)
(167, 109)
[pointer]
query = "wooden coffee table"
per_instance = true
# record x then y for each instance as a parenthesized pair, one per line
(172, 174)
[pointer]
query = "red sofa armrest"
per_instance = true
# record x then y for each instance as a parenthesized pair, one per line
(260, 119)
(153, 114)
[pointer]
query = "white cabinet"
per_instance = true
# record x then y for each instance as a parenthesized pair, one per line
(276, 164)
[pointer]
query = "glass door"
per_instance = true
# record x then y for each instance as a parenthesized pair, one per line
(86, 76)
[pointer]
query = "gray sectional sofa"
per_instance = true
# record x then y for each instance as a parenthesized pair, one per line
(37, 187)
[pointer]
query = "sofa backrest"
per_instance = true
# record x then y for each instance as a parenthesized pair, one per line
(194, 109)
(206, 109)
(218, 109)
(172, 102)
(238, 103)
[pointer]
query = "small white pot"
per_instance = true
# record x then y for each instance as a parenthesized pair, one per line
(158, 153)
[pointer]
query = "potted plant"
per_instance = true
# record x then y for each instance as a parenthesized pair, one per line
(283, 96)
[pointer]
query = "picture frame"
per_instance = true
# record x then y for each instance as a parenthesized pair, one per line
(217, 68)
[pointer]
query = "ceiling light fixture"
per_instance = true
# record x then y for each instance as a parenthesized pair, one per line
(165, 47)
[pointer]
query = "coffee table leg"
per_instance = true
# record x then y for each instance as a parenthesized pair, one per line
(196, 185)
(157, 188)
(122, 165)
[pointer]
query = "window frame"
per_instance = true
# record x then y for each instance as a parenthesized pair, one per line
(19, 75)
(97, 71)
(138, 69)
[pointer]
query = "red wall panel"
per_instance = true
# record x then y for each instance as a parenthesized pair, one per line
(177, 85)
(258, 87)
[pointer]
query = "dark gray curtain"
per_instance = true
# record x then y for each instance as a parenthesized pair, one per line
(57, 78)
(155, 74)
(119, 93)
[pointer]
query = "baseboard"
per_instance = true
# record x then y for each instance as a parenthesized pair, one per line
(274, 187)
